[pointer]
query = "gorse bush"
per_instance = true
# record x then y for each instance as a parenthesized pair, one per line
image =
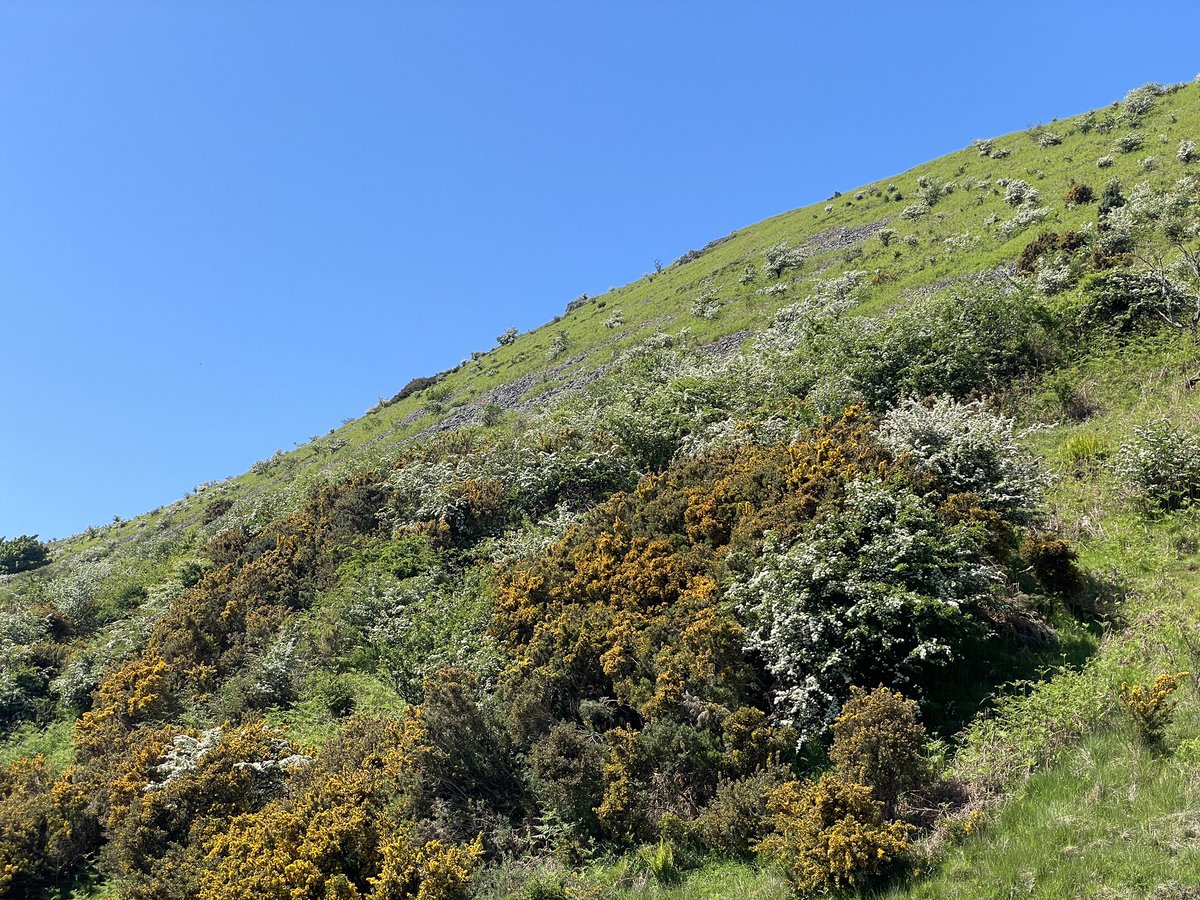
(879, 742)
(831, 835)
(1054, 561)
(1150, 707)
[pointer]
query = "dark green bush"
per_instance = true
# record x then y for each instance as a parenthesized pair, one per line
(20, 554)
(1054, 561)
(567, 767)
(1078, 194)
(737, 817)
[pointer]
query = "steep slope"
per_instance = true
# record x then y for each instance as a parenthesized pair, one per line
(606, 585)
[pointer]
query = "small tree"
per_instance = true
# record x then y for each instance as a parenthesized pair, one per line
(22, 554)
(507, 338)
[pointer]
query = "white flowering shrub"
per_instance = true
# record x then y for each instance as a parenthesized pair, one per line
(914, 210)
(706, 306)
(967, 449)
(748, 274)
(771, 289)
(559, 344)
(839, 294)
(1186, 152)
(793, 324)
(781, 257)
(984, 146)
(1104, 161)
(961, 242)
(1140, 101)
(931, 190)
(74, 591)
(1018, 192)
(1149, 164)
(1053, 277)
(878, 592)
(1127, 143)
(273, 672)
(420, 625)
(1161, 465)
(1048, 138)
(616, 320)
(887, 235)
(1025, 216)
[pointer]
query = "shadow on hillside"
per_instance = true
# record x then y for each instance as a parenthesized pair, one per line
(1033, 644)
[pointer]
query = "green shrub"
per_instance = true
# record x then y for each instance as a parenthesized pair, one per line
(877, 741)
(20, 554)
(736, 818)
(566, 766)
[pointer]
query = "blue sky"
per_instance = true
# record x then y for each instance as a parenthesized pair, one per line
(225, 227)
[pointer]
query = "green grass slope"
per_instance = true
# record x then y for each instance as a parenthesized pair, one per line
(1056, 795)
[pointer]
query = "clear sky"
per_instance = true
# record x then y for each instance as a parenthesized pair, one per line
(227, 226)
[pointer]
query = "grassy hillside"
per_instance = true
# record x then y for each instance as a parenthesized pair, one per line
(560, 621)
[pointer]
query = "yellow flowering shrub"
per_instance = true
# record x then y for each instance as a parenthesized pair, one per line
(45, 829)
(1151, 706)
(338, 833)
(831, 834)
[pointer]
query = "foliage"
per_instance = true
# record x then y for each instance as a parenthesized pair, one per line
(20, 554)
(1161, 464)
(1151, 707)
(831, 835)
(878, 742)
